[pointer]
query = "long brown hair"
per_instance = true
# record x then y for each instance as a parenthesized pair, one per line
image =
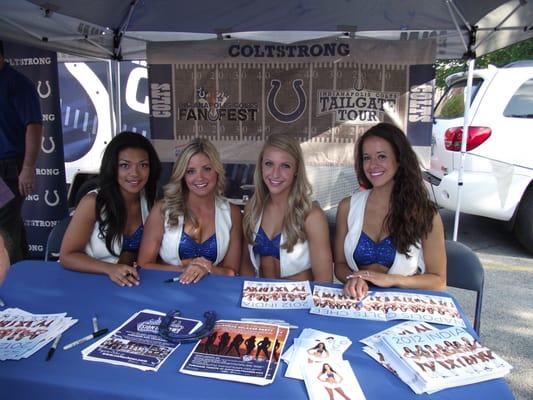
(410, 218)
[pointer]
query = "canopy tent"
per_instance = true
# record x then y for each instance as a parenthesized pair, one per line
(120, 29)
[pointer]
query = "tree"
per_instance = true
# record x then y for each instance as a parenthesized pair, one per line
(518, 51)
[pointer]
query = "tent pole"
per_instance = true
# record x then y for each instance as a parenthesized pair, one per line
(466, 123)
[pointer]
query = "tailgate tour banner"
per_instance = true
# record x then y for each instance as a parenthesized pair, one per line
(325, 93)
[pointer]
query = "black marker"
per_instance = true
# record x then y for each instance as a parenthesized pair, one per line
(53, 348)
(85, 339)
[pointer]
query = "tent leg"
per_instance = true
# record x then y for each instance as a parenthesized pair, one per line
(466, 124)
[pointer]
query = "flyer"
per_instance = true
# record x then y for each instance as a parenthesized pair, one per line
(276, 295)
(137, 344)
(238, 351)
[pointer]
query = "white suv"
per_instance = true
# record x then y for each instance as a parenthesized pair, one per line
(498, 169)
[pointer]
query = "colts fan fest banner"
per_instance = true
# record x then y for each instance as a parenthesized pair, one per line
(48, 203)
(324, 93)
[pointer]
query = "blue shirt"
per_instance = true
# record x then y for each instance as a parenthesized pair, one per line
(369, 252)
(133, 242)
(19, 106)
(189, 248)
(266, 247)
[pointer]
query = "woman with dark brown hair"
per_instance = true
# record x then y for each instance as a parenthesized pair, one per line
(390, 234)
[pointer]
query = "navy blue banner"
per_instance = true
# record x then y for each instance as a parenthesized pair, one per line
(161, 95)
(48, 204)
(420, 108)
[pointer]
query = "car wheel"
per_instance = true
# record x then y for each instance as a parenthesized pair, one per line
(523, 228)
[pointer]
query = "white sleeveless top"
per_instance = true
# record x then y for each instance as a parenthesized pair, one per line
(96, 247)
(169, 250)
(401, 265)
(298, 260)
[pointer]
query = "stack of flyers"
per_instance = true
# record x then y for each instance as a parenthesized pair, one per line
(438, 359)
(23, 333)
(386, 306)
(238, 351)
(316, 357)
(313, 346)
(137, 343)
(404, 328)
(277, 295)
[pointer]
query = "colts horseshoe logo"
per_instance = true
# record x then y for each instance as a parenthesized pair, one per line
(44, 95)
(52, 145)
(292, 116)
(48, 202)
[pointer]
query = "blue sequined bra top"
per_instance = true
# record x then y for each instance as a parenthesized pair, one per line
(266, 247)
(369, 252)
(189, 248)
(132, 242)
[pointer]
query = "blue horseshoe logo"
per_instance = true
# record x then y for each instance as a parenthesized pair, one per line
(51, 203)
(51, 148)
(292, 116)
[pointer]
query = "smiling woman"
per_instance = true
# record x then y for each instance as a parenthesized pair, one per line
(194, 229)
(105, 231)
(390, 234)
(287, 234)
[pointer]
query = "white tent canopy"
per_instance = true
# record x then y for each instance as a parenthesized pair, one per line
(120, 29)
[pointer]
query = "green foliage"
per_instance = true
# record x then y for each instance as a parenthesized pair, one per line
(518, 51)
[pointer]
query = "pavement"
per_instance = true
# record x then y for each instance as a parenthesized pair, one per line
(507, 312)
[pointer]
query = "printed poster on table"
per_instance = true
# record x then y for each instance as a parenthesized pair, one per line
(238, 351)
(23, 333)
(277, 295)
(434, 360)
(386, 306)
(137, 343)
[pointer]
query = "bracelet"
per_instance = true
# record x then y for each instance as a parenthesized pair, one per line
(352, 277)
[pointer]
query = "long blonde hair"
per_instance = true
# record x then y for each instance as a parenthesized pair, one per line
(176, 191)
(299, 202)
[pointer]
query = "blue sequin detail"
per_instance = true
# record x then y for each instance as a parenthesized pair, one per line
(266, 247)
(133, 242)
(189, 248)
(369, 252)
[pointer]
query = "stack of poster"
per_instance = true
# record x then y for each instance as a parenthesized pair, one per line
(137, 343)
(23, 333)
(405, 328)
(434, 360)
(386, 306)
(238, 351)
(277, 295)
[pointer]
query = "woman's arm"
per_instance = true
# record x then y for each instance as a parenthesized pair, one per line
(231, 262)
(353, 287)
(434, 278)
(317, 231)
(72, 254)
(154, 229)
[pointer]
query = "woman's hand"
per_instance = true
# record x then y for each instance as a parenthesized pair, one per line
(198, 268)
(124, 275)
(355, 286)
(378, 278)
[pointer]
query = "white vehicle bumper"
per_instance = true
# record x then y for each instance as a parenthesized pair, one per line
(484, 194)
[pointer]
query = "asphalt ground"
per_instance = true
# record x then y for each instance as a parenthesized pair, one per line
(507, 312)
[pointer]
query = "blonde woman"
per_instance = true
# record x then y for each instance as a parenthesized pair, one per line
(193, 229)
(286, 234)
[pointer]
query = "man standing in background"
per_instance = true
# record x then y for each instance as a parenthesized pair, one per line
(20, 142)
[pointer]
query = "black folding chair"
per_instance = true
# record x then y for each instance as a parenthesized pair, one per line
(466, 272)
(55, 237)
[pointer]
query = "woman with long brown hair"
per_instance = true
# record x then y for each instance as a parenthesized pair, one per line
(390, 234)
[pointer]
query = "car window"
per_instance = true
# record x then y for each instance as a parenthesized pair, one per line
(451, 104)
(521, 104)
